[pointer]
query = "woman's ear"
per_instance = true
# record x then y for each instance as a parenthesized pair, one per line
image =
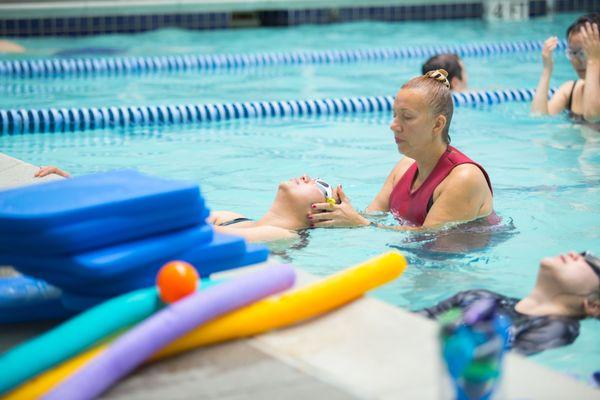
(591, 306)
(440, 124)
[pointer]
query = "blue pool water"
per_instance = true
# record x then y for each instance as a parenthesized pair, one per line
(545, 171)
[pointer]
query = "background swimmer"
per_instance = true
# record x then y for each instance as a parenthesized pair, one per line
(457, 73)
(580, 98)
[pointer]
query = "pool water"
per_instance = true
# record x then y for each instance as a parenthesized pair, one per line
(545, 171)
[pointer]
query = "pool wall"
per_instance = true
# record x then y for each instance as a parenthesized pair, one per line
(78, 18)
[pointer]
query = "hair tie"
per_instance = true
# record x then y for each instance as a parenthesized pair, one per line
(440, 75)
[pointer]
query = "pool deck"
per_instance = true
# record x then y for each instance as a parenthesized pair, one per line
(365, 350)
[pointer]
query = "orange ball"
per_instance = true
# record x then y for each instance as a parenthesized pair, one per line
(175, 280)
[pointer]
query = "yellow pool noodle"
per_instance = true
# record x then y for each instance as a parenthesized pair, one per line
(272, 313)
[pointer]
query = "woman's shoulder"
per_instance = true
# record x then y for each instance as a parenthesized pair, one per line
(219, 217)
(401, 167)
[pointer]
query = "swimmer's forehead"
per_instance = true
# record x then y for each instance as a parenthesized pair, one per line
(410, 99)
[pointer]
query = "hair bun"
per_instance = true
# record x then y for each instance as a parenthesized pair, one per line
(440, 75)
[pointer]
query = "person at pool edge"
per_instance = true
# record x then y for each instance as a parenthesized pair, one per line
(457, 73)
(434, 183)
(567, 290)
(285, 219)
(580, 98)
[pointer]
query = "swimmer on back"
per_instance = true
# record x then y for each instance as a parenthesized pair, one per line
(286, 216)
(566, 291)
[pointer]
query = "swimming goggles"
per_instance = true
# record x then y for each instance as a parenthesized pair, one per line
(593, 261)
(580, 54)
(326, 189)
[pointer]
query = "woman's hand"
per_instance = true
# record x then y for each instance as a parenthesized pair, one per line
(547, 51)
(325, 215)
(48, 170)
(591, 42)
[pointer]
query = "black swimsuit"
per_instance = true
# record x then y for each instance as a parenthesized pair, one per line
(529, 334)
(578, 118)
(235, 221)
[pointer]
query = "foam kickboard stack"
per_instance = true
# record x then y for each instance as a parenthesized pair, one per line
(101, 235)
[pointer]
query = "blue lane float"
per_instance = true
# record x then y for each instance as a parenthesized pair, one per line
(81, 119)
(41, 68)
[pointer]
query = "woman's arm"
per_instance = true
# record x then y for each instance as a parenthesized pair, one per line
(381, 202)
(539, 105)
(343, 215)
(463, 196)
(591, 89)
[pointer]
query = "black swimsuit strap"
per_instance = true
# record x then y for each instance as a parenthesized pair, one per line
(235, 221)
(571, 96)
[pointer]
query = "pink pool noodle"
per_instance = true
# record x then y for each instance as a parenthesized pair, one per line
(151, 335)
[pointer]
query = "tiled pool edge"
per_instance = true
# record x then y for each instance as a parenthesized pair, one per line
(368, 349)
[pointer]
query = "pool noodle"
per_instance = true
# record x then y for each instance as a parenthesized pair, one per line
(271, 313)
(77, 334)
(139, 343)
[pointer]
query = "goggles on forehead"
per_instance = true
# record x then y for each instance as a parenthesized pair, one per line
(593, 261)
(580, 54)
(326, 189)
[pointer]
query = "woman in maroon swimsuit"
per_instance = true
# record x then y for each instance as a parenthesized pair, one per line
(434, 183)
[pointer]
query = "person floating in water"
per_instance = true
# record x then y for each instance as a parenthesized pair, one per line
(567, 290)
(457, 73)
(580, 98)
(434, 184)
(285, 218)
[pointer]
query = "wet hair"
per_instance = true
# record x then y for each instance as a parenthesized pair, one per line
(437, 88)
(449, 62)
(594, 297)
(575, 27)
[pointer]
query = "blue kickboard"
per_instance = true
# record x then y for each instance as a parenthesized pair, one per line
(91, 211)
(255, 254)
(111, 261)
(216, 255)
(25, 299)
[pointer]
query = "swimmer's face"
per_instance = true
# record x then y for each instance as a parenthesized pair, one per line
(571, 273)
(575, 43)
(413, 124)
(303, 190)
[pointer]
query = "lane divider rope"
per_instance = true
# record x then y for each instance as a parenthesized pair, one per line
(17, 121)
(113, 66)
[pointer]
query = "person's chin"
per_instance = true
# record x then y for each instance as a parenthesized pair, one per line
(550, 263)
(402, 148)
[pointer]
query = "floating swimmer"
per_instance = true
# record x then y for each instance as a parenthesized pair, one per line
(287, 215)
(567, 290)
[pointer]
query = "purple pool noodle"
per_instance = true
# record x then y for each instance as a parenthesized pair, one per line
(138, 344)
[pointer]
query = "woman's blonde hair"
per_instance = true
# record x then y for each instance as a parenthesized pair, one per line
(437, 88)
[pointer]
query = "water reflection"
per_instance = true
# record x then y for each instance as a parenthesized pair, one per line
(456, 241)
